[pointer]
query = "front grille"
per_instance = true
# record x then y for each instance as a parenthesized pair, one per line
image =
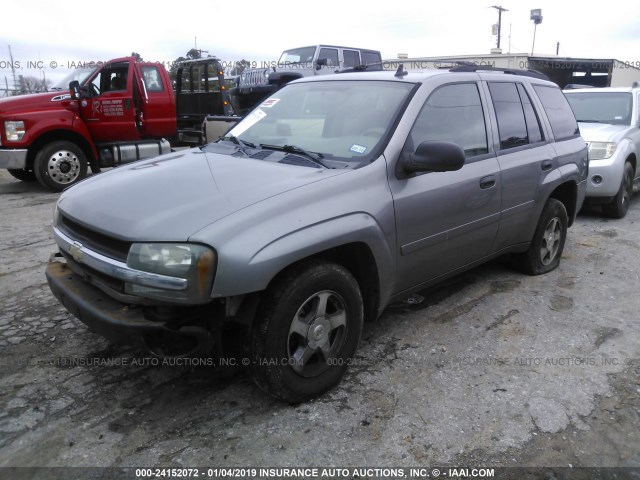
(98, 242)
(95, 277)
(253, 77)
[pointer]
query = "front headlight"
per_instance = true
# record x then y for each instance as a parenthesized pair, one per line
(195, 263)
(601, 150)
(14, 130)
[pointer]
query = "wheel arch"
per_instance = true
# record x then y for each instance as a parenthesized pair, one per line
(633, 161)
(567, 193)
(359, 260)
(63, 135)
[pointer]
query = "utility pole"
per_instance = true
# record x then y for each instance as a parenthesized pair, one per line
(500, 10)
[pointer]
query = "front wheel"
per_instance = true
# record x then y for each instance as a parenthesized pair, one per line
(548, 240)
(60, 164)
(307, 331)
(619, 205)
(24, 174)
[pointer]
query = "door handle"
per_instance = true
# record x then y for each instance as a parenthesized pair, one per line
(546, 165)
(488, 181)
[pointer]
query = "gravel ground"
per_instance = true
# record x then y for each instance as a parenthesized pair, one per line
(491, 369)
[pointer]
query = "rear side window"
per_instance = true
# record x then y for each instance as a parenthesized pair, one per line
(533, 123)
(510, 114)
(351, 58)
(371, 58)
(151, 78)
(563, 122)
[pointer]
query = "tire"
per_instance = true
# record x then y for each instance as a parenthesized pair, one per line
(60, 164)
(548, 240)
(619, 205)
(24, 174)
(307, 330)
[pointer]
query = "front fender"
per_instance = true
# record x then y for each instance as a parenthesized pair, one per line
(55, 125)
(265, 263)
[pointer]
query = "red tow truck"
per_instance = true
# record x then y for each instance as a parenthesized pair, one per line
(114, 113)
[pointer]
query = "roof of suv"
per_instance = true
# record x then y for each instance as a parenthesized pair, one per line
(603, 89)
(416, 76)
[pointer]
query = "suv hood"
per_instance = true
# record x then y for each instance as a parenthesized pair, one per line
(601, 132)
(36, 101)
(171, 197)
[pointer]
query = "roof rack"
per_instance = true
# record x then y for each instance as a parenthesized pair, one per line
(509, 71)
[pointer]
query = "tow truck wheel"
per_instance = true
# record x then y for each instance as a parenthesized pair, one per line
(24, 174)
(60, 164)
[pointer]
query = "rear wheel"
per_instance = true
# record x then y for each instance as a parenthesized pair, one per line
(60, 164)
(619, 205)
(24, 174)
(548, 240)
(307, 330)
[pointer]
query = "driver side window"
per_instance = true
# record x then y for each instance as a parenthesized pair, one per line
(452, 113)
(111, 78)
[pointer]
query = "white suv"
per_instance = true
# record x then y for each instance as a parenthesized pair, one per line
(610, 123)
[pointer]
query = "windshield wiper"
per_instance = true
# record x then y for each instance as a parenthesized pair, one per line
(314, 157)
(241, 143)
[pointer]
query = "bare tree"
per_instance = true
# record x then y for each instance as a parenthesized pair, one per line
(30, 84)
(240, 67)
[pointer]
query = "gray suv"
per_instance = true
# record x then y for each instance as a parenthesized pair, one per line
(333, 198)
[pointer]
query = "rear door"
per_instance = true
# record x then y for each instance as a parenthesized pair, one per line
(154, 101)
(525, 155)
(110, 113)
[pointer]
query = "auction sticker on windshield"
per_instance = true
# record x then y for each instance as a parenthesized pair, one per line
(269, 103)
(248, 122)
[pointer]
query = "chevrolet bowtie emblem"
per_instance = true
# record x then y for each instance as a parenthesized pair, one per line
(75, 251)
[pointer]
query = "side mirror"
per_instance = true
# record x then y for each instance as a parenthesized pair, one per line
(74, 90)
(321, 62)
(433, 157)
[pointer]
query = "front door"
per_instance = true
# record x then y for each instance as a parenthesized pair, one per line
(446, 220)
(110, 112)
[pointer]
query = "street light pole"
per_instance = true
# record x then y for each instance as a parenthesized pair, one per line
(536, 16)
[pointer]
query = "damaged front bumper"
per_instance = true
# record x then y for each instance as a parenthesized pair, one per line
(122, 323)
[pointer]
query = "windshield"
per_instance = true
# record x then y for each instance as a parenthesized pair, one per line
(80, 74)
(297, 55)
(601, 107)
(340, 120)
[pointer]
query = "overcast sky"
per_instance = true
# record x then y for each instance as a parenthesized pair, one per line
(59, 33)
